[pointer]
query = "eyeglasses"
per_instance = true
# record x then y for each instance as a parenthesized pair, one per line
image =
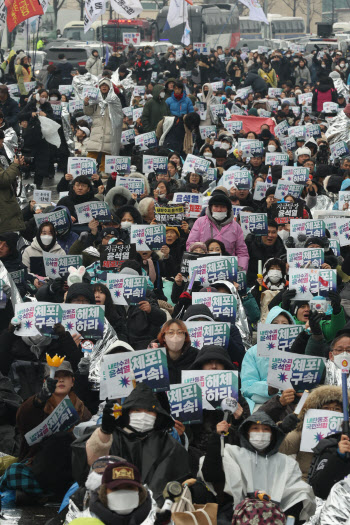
(171, 333)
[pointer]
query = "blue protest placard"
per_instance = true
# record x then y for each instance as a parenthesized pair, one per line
(216, 385)
(308, 227)
(305, 257)
(186, 403)
(133, 184)
(127, 289)
(339, 149)
(152, 163)
(211, 269)
(86, 320)
(272, 337)
(195, 164)
(92, 210)
(296, 174)
(46, 316)
(242, 283)
(222, 306)
(255, 223)
(119, 164)
(287, 370)
(276, 159)
(208, 333)
(59, 219)
(148, 237)
(81, 166)
(56, 265)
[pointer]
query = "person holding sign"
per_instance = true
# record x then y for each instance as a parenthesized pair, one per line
(218, 222)
(31, 477)
(81, 191)
(141, 435)
(44, 241)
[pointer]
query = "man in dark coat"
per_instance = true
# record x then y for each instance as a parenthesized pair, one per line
(9, 107)
(65, 69)
(254, 80)
(154, 109)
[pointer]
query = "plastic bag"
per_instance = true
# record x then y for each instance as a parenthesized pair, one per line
(49, 129)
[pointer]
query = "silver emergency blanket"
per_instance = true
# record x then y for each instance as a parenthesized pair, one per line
(323, 202)
(112, 104)
(99, 350)
(9, 287)
(333, 374)
(81, 81)
(127, 83)
(339, 84)
(10, 143)
(336, 509)
(67, 130)
(339, 129)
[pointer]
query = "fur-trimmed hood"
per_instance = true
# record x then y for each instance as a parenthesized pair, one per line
(118, 190)
(318, 398)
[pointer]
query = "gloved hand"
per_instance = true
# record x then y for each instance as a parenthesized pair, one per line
(56, 287)
(314, 322)
(14, 324)
(59, 329)
(287, 296)
(47, 390)
(108, 420)
(289, 423)
(335, 301)
(84, 366)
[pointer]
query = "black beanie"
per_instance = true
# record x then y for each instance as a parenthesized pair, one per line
(11, 239)
(314, 240)
(270, 191)
(220, 199)
(294, 307)
(81, 289)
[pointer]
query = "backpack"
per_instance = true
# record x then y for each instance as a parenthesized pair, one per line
(258, 512)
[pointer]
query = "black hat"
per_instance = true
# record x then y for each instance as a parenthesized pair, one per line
(80, 289)
(211, 352)
(220, 199)
(220, 153)
(296, 305)
(11, 239)
(314, 240)
(270, 191)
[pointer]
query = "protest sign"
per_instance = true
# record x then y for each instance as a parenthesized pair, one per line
(75, 105)
(319, 424)
(262, 50)
(66, 89)
(25, 312)
(57, 265)
(255, 223)
(289, 370)
(137, 113)
(86, 320)
(282, 129)
(286, 188)
(186, 258)
(212, 174)
(119, 164)
(146, 140)
(305, 257)
(250, 147)
(131, 38)
(339, 149)
(128, 112)
(128, 137)
(308, 227)
(216, 385)
(343, 200)
(260, 191)
(148, 237)
(288, 143)
(305, 98)
(81, 166)
(120, 372)
(222, 306)
(42, 196)
(127, 289)
(193, 202)
(195, 164)
(242, 283)
(283, 212)
(272, 337)
(186, 403)
(59, 219)
(133, 184)
(30, 85)
(201, 48)
(18, 277)
(217, 85)
(216, 268)
(313, 130)
(338, 228)
(330, 107)
(170, 214)
(97, 210)
(63, 417)
(217, 110)
(276, 159)
(113, 256)
(206, 131)
(56, 107)
(152, 163)
(309, 283)
(335, 247)
(296, 174)
(208, 333)
(139, 91)
(233, 126)
(297, 131)
(240, 178)
(46, 316)
(274, 92)
(92, 93)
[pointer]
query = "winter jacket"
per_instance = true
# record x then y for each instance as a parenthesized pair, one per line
(244, 469)
(254, 80)
(269, 77)
(67, 238)
(187, 357)
(323, 93)
(180, 107)
(143, 72)
(65, 69)
(23, 75)
(94, 66)
(229, 232)
(154, 110)
(330, 326)
(33, 106)
(157, 455)
(10, 402)
(72, 199)
(302, 73)
(10, 212)
(316, 400)
(33, 257)
(113, 191)
(254, 368)
(258, 251)
(10, 109)
(101, 131)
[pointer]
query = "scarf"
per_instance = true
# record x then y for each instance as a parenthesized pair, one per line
(188, 140)
(179, 96)
(151, 269)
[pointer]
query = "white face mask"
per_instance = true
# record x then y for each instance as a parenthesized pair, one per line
(54, 98)
(46, 239)
(141, 421)
(171, 59)
(260, 440)
(323, 65)
(162, 196)
(42, 100)
(162, 94)
(219, 215)
(93, 481)
(274, 275)
(271, 148)
(342, 65)
(175, 343)
(284, 234)
(125, 225)
(123, 501)
(225, 146)
(207, 155)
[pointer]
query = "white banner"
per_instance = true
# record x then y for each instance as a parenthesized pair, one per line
(129, 9)
(92, 10)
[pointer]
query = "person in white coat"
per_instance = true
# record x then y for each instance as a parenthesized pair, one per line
(94, 64)
(45, 241)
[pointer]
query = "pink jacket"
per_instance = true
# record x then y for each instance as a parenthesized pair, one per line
(231, 235)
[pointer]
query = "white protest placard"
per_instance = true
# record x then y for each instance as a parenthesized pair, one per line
(91, 92)
(305, 257)
(222, 306)
(127, 289)
(319, 424)
(287, 188)
(61, 419)
(13, 89)
(146, 140)
(86, 320)
(81, 166)
(260, 191)
(216, 385)
(295, 174)
(136, 114)
(255, 223)
(65, 89)
(152, 163)
(206, 131)
(339, 149)
(97, 210)
(233, 126)
(119, 164)
(42, 196)
(217, 85)
(212, 269)
(75, 105)
(56, 265)
(128, 136)
(311, 282)
(276, 159)
(29, 86)
(274, 92)
(208, 333)
(308, 227)
(195, 164)
(343, 200)
(272, 337)
(25, 312)
(289, 370)
(147, 237)
(201, 48)
(131, 38)
(133, 184)
(330, 107)
(139, 91)
(305, 98)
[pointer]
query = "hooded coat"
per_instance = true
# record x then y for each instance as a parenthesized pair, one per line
(10, 212)
(229, 232)
(113, 191)
(258, 251)
(247, 470)
(66, 239)
(154, 110)
(94, 66)
(255, 368)
(317, 399)
(157, 455)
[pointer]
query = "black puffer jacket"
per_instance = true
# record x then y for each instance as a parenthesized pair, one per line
(72, 199)
(258, 251)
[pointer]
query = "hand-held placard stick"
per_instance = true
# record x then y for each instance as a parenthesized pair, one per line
(260, 274)
(229, 406)
(342, 361)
